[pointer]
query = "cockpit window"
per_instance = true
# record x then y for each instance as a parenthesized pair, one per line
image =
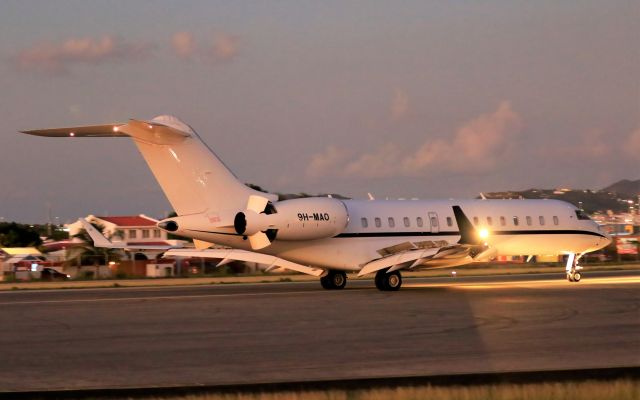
(582, 215)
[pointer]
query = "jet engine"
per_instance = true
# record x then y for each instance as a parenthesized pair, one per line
(296, 219)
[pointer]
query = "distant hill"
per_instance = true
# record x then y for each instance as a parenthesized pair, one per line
(624, 187)
(614, 197)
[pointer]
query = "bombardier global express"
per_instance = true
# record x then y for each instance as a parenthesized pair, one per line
(328, 237)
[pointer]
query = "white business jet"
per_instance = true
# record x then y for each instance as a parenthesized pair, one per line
(328, 237)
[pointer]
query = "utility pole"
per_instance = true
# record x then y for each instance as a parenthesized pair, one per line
(49, 228)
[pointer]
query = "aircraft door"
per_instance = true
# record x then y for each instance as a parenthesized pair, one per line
(433, 221)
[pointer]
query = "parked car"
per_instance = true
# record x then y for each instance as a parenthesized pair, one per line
(50, 274)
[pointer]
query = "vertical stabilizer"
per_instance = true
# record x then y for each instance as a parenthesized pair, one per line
(192, 177)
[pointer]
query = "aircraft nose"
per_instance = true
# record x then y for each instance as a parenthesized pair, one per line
(607, 239)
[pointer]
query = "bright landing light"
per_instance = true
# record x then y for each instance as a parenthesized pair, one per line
(484, 233)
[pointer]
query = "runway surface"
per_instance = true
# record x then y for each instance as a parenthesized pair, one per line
(229, 334)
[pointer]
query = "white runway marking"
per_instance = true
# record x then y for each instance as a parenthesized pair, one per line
(531, 283)
(195, 296)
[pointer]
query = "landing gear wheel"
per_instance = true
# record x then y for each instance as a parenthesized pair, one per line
(334, 280)
(388, 281)
(574, 276)
(379, 279)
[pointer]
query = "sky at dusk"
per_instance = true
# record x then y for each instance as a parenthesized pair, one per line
(429, 99)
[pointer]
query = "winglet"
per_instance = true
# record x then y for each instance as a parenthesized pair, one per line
(98, 238)
(468, 234)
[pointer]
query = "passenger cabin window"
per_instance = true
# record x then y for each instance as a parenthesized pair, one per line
(582, 215)
(449, 221)
(365, 223)
(489, 221)
(529, 220)
(516, 221)
(475, 220)
(407, 223)
(378, 222)
(556, 221)
(419, 222)
(503, 221)
(541, 220)
(434, 222)
(392, 222)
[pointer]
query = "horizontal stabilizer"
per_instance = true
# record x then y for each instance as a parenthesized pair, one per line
(160, 130)
(111, 130)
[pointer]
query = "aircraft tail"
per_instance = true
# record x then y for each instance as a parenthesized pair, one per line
(192, 177)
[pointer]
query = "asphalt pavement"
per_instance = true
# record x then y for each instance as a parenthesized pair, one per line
(278, 332)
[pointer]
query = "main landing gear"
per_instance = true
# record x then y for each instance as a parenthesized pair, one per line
(334, 280)
(573, 269)
(388, 281)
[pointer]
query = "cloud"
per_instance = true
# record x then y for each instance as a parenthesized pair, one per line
(632, 145)
(327, 162)
(221, 47)
(380, 163)
(183, 44)
(399, 104)
(477, 146)
(225, 47)
(593, 144)
(59, 57)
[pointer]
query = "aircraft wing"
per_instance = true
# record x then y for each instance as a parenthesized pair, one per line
(227, 255)
(438, 254)
(99, 240)
(419, 258)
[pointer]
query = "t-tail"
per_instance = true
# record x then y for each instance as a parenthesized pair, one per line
(192, 177)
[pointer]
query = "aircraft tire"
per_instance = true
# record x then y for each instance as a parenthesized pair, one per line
(334, 280)
(379, 280)
(325, 283)
(577, 276)
(388, 282)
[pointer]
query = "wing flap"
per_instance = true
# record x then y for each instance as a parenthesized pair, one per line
(407, 257)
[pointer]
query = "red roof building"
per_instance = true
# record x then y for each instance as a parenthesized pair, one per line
(130, 221)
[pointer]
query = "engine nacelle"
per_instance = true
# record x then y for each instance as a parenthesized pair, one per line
(296, 219)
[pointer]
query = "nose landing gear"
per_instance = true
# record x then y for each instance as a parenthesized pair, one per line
(573, 269)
